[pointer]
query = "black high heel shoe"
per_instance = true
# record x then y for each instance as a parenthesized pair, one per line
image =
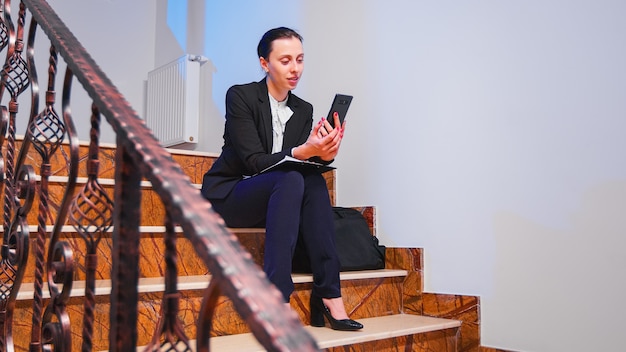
(319, 311)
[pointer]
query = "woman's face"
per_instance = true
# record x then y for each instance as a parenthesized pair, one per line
(284, 66)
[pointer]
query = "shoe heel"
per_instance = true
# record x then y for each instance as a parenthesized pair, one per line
(319, 312)
(317, 315)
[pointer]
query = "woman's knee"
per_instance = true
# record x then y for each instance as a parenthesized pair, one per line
(315, 187)
(292, 181)
(315, 181)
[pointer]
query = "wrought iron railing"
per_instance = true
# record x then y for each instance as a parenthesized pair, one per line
(92, 212)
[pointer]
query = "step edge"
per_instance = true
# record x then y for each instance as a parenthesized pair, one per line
(32, 229)
(195, 282)
(427, 324)
(171, 150)
(376, 328)
(103, 181)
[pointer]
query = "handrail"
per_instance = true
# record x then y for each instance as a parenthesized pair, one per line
(139, 154)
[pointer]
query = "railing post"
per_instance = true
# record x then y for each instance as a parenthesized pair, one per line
(125, 253)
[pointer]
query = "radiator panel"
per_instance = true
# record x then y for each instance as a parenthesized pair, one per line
(173, 101)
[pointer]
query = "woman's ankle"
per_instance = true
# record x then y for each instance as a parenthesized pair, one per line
(336, 307)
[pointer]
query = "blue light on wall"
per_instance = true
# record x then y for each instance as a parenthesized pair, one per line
(177, 21)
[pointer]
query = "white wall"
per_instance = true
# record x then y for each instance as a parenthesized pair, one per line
(119, 35)
(490, 133)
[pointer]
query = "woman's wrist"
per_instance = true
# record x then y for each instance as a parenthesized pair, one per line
(295, 152)
(300, 152)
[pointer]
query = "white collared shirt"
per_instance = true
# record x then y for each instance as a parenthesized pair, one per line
(281, 113)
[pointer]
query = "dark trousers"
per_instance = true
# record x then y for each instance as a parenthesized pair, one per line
(288, 204)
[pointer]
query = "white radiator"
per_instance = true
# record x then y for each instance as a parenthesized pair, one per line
(173, 101)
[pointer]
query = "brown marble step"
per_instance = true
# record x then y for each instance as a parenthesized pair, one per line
(152, 246)
(151, 249)
(199, 282)
(193, 164)
(366, 294)
(398, 332)
(152, 209)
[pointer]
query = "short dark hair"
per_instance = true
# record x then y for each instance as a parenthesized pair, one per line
(265, 44)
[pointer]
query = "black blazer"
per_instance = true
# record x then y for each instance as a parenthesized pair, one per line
(248, 137)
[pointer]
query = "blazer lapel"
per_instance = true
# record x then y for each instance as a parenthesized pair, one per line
(266, 116)
(294, 125)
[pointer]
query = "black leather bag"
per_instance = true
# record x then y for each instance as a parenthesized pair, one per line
(356, 247)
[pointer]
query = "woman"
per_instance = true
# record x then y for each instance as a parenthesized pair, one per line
(264, 123)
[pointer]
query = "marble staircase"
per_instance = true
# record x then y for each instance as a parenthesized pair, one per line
(397, 313)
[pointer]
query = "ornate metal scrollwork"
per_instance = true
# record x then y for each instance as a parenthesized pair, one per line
(169, 335)
(15, 71)
(55, 323)
(91, 214)
(15, 80)
(15, 253)
(4, 31)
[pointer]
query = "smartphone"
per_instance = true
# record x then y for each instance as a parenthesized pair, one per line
(341, 103)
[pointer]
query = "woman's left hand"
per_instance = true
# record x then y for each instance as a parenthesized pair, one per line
(331, 137)
(323, 142)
